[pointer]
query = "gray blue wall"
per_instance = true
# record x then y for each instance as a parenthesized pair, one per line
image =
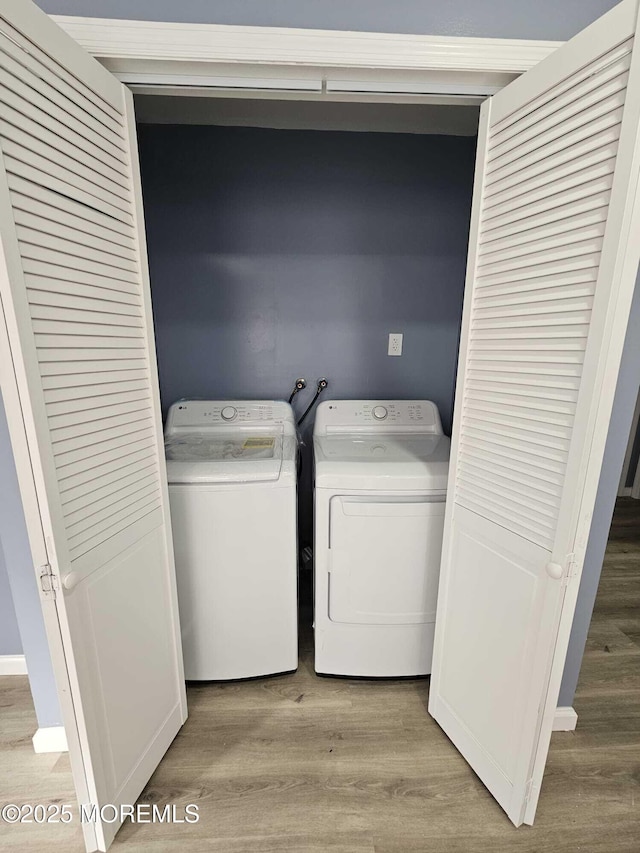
(544, 19)
(22, 580)
(10, 643)
(634, 459)
(276, 254)
(279, 253)
(617, 439)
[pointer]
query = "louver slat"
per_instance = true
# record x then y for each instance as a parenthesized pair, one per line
(58, 291)
(121, 429)
(142, 488)
(555, 181)
(542, 222)
(24, 125)
(55, 316)
(84, 493)
(116, 523)
(577, 143)
(566, 162)
(138, 456)
(107, 495)
(576, 95)
(79, 455)
(33, 164)
(90, 380)
(64, 89)
(65, 154)
(584, 241)
(25, 195)
(554, 220)
(48, 223)
(68, 280)
(606, 98)
(58, 104)
(547, 100)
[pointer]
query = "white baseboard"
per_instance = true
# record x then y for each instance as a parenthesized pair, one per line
(50, 739)
(13, 665)
(565, 719)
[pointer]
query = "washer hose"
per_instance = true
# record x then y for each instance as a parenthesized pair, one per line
(322, 384)
(300, 384)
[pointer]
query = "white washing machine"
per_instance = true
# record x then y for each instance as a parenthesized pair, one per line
(232, 489)
(380, 484)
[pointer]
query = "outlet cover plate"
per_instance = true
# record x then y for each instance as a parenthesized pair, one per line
(395, 343)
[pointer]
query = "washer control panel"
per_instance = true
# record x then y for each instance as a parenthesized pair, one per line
(372, 415)
(196, 414)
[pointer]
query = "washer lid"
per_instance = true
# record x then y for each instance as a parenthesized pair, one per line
(389, 461)
(240, 455)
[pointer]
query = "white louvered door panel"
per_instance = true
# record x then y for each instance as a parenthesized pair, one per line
(551, 269)
(77, 308)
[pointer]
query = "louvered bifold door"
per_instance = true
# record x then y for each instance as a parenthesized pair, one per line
(77, 309)
(551, 269)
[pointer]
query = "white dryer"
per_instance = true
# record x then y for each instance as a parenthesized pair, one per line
(380, 484)
(231, 467)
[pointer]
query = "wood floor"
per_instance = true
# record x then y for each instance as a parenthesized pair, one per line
(308, 765)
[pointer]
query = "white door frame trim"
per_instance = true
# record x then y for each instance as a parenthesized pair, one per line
(50, 739)
(302, 63)
(13, 665)
(565, 719)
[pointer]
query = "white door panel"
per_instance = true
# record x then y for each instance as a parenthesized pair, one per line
(384, 556)
(128, 682)
(497, 593)
(550, 275)
(76, 302)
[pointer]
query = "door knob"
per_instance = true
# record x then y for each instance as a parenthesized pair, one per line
(70, 580)
(555, 571)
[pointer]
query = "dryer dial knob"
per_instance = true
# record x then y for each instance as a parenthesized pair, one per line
(380, 413)
(229, 413)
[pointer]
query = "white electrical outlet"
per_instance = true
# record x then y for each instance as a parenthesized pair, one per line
(395, 343)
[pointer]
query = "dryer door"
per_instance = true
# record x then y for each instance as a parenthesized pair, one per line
(385, 559)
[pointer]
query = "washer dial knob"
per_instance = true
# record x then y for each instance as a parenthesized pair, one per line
(380, 412)
(229, 413)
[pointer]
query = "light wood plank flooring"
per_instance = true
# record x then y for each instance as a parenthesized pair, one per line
(307, 765)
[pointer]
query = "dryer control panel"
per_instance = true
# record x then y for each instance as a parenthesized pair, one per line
(377, 415)
(200, 414)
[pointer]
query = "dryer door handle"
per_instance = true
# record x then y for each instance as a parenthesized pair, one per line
(427, 506)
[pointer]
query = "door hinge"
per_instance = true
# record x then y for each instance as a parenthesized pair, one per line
(48, 581)
(572, 569)
(529, 791)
